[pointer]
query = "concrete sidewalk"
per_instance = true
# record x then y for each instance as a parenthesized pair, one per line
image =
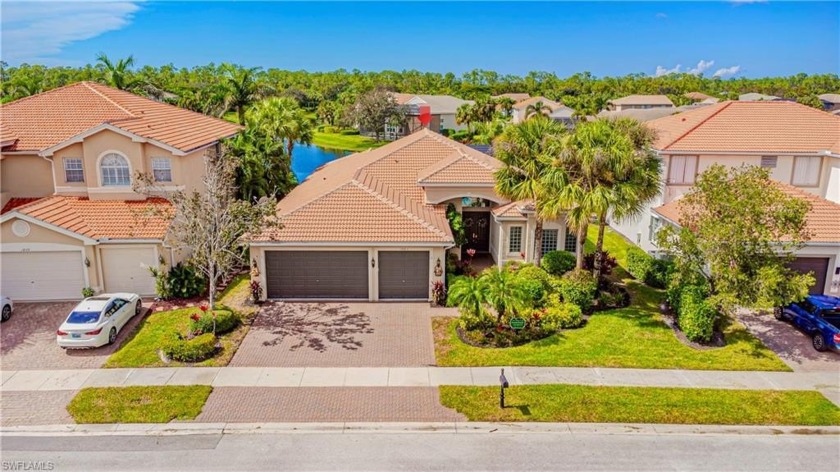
(52, 380)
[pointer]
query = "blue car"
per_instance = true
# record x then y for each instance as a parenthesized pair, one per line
(819, 317)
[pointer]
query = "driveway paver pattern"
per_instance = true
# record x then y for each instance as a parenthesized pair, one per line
(325, 404)
(28, 408)
(791, 345)
(340, 335)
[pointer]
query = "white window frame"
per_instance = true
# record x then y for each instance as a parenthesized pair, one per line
(517, 231)
(100, 169)
(556, 233)
(678, 164)
(158, 166)
(67, 169)
(813, 176)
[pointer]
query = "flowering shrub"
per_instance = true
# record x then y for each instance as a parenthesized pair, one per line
(256, 290)
(439, 293)
(193, 349)
(225, 321)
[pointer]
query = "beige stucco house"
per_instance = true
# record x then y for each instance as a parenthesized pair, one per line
(799, 144)
(372, 226)
(70, 218)
(440, 108)
(640, 102)
(555, 111)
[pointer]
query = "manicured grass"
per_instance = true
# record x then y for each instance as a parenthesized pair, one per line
(138, 404)
(140, 350)
(345, 142)
(589, 404)
(635, 337)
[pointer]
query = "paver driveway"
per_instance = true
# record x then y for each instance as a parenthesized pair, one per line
(27, 340)
(790, 344)
(339, 335)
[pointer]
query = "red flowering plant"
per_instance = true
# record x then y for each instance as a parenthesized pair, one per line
(522, 255)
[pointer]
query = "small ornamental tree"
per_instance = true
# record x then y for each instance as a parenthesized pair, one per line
(739, 230)
(375, 109)
(209, 225)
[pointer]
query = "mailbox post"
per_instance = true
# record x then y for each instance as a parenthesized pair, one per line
(503, 384)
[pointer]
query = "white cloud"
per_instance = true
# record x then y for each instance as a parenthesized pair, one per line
(34, 31)
(702, 66)
(660, 71)
(661, 16)
(727, 71)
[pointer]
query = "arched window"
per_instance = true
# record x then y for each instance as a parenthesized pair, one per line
(115, 170)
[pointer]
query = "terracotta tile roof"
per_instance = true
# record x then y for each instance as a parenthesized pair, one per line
(460, 168)
(103, 219)
(697, 96)
(44, 120)
(761, 127)
(17, 202)
(551, 104)
(822, 220)
(517, 96)
(513, 209)
(643, 100)
(374, 196)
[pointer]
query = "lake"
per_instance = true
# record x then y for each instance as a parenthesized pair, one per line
(308, 157)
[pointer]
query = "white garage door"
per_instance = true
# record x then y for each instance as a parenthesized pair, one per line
(126, 269)
(42, 275)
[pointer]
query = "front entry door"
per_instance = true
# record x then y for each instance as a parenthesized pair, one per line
(477, 229)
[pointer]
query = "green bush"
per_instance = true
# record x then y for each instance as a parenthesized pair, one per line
(648, 269)
(557, 262)
(331, 129)
(226, 321)
(535, 282)
(349, 132)
(460, 135)
(480, 321)
(560, 315)
(196, 349)
(696, 317)
(446, 132)
(578, 287)
(181, 281)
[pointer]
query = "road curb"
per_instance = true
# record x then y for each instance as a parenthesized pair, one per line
(180, 429)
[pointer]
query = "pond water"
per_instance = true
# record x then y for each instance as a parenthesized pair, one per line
(308, 157)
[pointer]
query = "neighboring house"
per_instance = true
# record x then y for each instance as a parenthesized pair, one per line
(441, 110)
(649, 114)
(698, 96)
(515, 96)
(830, 101)
(70, 217)
(799, 144)
(819, 255)
(557, 111)
(757, 97)
(640, 102)
(373, 226)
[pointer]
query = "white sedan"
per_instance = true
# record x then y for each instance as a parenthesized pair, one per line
(7, 305)
(97, 320)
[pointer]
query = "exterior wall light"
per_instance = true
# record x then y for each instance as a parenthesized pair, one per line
(373, 262)
(87, 262)
(438, 268)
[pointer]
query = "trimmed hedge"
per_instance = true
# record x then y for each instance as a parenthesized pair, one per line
(196, 349)
(648, 269)
(578, 287)
(696, 317)
(226, 321)
(557, 262)
(535, 282)
(560, 315)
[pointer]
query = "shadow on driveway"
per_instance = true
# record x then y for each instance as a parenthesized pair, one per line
(790, 344)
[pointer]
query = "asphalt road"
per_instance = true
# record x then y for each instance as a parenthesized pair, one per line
(424, 451)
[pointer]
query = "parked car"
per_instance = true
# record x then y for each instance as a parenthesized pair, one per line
(819, 317)
(7, 305)
(97, 320)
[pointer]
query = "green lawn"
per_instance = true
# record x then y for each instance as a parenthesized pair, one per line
(140, 350)
(635, 336)
(588, 404)
(345, 142)
(138, 404)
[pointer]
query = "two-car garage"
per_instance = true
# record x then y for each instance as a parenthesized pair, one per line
(347, 274)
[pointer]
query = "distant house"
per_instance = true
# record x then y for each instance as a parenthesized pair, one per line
(440, 108)
(516, 97)
(556, 111)
(757, 97)
(830, 101)
(697, 96)
(649, 114)
(640, 102)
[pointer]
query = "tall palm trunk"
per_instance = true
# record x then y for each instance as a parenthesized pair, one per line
(599, 246)
(581, 242)
(538, 237)
(240, 111)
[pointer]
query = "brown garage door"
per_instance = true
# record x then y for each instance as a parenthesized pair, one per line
(317, 274)
(404, 274)
(818, 266)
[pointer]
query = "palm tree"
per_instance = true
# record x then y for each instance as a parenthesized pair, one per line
(503, 291)
(282, 118)
(465, 115)
(537, 109)
(469, 294)
(528, 151)
(241, 89)
(118, 75)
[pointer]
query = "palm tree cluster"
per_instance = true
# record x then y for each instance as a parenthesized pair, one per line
(603, 168)
(496, 288)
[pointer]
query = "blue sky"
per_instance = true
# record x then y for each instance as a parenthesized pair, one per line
(742, 38)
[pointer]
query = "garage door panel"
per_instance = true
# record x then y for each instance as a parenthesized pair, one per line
(53, 275)
(404, 275)
(317, 274)
(818, 266)
(126, 269)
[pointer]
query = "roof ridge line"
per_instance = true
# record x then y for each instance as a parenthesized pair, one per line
(87, 84)
(725, 104)
(405, 211)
